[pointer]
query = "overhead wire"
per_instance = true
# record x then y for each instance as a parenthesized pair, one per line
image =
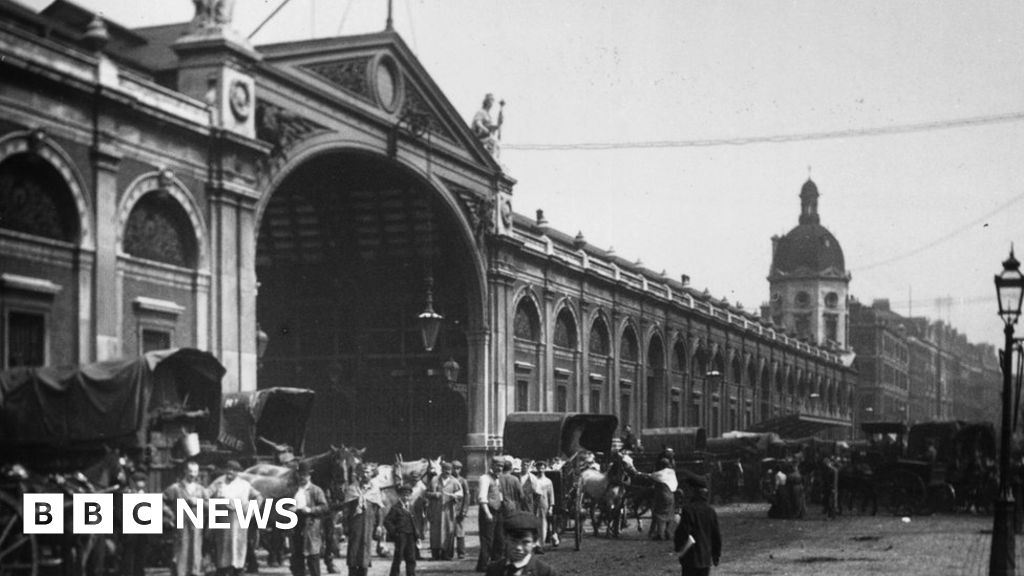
(777, 138)
(344, 16)
(944, 238)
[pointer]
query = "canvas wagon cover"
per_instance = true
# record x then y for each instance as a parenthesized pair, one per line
(275, 414)
(543, 435)
(105, 401)
(683, 440)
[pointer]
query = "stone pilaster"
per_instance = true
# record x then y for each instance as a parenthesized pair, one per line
(106, 159)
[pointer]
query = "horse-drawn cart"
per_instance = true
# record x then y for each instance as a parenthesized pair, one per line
(71, 430)
(566, 436)
(257, 425)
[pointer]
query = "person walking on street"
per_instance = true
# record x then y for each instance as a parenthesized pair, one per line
(543, 494)
(830, 487)
(698, 541)
(307, 537)
(797, 497)
(461, 511)
(135, 547)
(400, 526)
(361, 508)
(188, 540)
(233, 541)
(511, 501)
(445, 495)
(488, 498)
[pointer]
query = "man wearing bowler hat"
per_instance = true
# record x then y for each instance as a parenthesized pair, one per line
(698, 541)
(522, 534)
(310, 507)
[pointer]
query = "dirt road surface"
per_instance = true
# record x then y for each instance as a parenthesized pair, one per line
(757, 545)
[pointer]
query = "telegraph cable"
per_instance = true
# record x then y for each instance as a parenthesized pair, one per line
(777, 138)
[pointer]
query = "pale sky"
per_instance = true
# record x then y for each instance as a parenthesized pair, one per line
(920, 216)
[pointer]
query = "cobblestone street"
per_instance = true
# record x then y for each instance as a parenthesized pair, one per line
(757, 545)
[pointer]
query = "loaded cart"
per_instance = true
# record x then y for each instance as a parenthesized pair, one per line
(258, 426)
(564, 436)
(76, 429)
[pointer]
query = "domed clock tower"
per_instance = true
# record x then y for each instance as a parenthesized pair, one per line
(808, 278)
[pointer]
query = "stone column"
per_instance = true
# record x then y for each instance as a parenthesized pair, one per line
(106, 159)
(479, 401)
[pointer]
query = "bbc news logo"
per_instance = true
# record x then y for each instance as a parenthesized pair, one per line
(143, 513)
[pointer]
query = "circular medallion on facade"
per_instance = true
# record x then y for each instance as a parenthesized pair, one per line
(240, 98)
(387, 83)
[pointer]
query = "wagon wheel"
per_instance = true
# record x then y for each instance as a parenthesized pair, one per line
(941, 497)
(19, 553)
(907, 492)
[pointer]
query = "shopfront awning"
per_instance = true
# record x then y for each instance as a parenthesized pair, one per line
(798, 425)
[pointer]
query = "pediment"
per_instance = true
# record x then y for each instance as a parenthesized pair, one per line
(378, 76)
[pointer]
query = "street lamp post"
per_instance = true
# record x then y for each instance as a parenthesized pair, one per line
(1010, 290)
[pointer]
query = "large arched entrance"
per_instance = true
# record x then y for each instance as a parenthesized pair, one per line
(346, 244)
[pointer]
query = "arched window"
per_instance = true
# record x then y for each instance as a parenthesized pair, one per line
(598, 337)
(527, 321)
(565, 330)
(628, 351)
(159, 229)
(737, 369)
(702, 361)
(679, 357)
(35, 199)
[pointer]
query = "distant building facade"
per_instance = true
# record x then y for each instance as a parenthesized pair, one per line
(919, 370)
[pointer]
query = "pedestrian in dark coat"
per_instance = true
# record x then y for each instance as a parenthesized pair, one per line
(521, 537)
(135, 547)
(402, 529)
(512, 500)
(698, 540)
(489, 501)
(307, 538)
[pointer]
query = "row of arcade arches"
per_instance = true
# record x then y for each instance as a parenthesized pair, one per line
(664, 370)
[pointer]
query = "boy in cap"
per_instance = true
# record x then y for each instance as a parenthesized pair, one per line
(310, 506)
(402, 529)
(698, 541)
(522, 531)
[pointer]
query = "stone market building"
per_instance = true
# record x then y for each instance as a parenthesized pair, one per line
(174, 186)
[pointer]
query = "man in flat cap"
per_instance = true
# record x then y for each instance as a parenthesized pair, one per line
(361, 511)
(698, 541)
(402, 529)
(310, 507)
(522, 533)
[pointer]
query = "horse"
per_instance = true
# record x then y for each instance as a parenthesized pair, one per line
(856, 490)
(602, 491)
(331, 470)
(387, 478)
